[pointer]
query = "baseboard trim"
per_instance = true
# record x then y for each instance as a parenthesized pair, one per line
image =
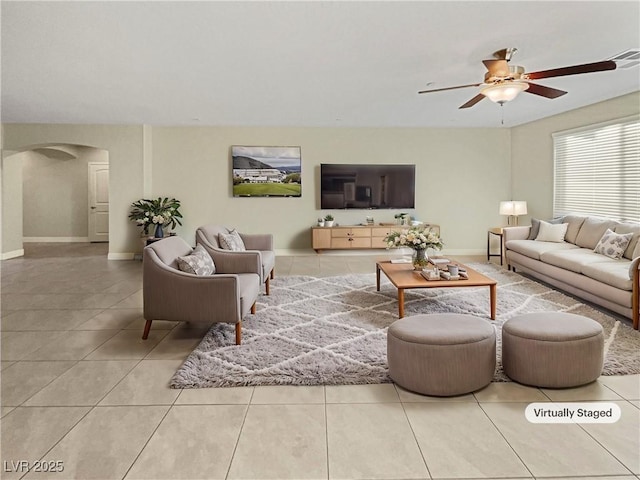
(55, 239)
(120, 256)
(12, 254)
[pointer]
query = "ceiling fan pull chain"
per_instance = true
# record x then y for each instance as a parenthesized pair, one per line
(502, 113)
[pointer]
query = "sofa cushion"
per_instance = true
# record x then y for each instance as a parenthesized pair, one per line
(575, 223)
(612, 272)
(592, 230)
(231, 241)
(574, 260)
(198, 263)
(533, 249)
(552, 233)
(629, 228)
(535, 226)
(613, 244)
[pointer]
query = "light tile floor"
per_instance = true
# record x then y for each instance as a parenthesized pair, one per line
(80, 387)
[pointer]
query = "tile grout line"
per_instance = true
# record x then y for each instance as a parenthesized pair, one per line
(406, 416)
(235, 447)
(505, 438)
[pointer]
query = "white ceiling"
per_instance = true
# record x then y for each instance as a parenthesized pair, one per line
(300, 63)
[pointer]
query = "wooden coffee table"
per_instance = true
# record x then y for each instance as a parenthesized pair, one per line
(404, 277)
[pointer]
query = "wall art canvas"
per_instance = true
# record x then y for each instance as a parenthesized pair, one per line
(266, 171)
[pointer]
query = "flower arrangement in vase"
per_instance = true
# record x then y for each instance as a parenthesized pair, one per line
(419, 239)
(162, 212)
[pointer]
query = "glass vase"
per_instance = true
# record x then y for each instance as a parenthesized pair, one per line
(159, 233)
(420, 259)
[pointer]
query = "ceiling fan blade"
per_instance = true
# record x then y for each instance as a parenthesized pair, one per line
(574, 70)
(543, 91)
(473, 101)
(450, 88)
(497, 68)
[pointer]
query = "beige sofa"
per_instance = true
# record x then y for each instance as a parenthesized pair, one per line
(574, 267)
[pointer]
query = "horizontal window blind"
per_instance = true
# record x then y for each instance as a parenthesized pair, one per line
(597, 171)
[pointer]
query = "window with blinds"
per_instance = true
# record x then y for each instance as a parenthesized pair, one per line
(597, 170)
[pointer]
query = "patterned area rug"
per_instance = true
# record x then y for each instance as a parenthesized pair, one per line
(332, 330)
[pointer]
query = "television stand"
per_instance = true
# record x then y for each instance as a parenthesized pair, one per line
(355, 237)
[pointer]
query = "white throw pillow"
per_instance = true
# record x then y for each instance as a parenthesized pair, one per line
(231, 241)
(198, 263)
(613, 244)
(552, 233)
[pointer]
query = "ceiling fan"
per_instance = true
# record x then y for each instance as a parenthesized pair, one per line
(503, 82)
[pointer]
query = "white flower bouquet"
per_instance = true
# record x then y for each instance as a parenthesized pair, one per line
(416, 238)
(162, 211)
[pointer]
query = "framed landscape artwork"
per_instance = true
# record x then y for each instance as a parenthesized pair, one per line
(266, 171)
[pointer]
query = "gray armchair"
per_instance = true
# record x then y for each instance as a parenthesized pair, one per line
(170, 294)
(259, 256)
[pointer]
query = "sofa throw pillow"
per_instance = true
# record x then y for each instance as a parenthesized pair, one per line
(613, 244)
(198, 263)
(552, 232)
(535, 226)
(231, 241)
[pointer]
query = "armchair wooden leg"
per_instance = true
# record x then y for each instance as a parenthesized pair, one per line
(147, 327)
(253, 308)
(238, 333)
(272, 274)
(266, 286)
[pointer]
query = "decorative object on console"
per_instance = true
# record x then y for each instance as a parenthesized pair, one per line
(419, 239)
(328, 220)
(160, 212)
(266, 171)
(513, 208)
(320, 222)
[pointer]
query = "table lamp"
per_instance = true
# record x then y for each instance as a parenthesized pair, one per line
(513, 208)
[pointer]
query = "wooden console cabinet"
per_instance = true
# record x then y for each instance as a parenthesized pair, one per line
(353, 236)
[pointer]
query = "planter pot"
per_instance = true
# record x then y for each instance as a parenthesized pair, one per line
(328, 223)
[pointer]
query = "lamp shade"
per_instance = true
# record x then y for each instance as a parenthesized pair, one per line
(513, 207)
(504, 92)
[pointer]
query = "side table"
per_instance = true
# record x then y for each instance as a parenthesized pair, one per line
(497, 231)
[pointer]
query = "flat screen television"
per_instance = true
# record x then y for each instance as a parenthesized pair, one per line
(367, 186)
(266, 171)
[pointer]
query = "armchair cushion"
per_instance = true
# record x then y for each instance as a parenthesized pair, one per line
(198, 263)
(231, 241)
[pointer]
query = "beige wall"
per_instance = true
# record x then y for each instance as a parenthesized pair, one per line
(12, 204)
(462, 174)
(532, 149)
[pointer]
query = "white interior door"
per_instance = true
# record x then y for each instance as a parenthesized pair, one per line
(98, 202)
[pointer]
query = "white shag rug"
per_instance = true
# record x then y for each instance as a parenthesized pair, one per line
(333, 330)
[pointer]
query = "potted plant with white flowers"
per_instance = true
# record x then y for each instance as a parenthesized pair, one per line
(161, 213)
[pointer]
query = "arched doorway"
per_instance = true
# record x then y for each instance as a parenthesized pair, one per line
(49, 196)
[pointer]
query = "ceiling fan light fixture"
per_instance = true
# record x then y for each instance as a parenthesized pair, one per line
(504, 92)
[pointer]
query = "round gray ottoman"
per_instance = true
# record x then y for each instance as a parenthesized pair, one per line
(441, 354)
(552, 349)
